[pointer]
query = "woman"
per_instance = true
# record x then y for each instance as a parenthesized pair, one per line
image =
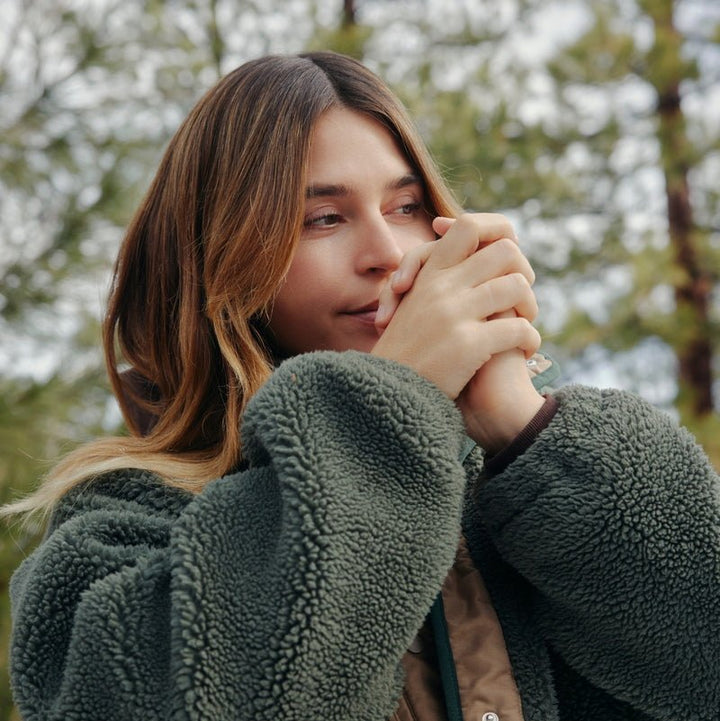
(343, 496)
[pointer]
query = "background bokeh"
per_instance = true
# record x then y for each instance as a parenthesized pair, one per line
(595, 125)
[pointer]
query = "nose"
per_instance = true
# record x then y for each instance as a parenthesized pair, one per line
(379, 249)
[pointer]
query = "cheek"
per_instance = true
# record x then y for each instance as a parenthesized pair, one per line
(310, 285)
(311, 272)
(418, 233)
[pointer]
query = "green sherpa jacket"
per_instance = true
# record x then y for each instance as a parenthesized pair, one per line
(291, 590)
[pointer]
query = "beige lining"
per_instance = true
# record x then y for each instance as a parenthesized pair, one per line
(482, 664)
(484, 674)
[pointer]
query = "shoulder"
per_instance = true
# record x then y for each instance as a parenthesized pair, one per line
(126, 491)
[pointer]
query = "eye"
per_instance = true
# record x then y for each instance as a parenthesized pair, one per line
(323, 220)
(409, 209)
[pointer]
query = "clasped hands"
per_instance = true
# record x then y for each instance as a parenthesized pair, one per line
(459, 312)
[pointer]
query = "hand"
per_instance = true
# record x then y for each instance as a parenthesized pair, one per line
(496, 227)
(441, 325)
(499, 399)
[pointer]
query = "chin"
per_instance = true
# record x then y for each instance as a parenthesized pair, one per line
(363, 341)
(364, 345)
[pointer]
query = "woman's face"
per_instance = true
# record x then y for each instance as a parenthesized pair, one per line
(364, 210)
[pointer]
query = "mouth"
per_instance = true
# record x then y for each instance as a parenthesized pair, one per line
(365, 313)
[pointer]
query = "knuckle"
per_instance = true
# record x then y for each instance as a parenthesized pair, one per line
(487, 296)
(503, 223)
(520, 281)
(510, 248)
(467, 221)
(524, 328)
(500, 218)
(489, 223)
(494, 218)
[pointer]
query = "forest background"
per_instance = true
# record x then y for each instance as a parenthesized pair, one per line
(594, 125)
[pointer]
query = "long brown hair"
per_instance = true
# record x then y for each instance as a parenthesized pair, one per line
(204, 256)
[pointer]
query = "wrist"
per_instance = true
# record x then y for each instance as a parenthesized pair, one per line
(495, 429)
(498, 462)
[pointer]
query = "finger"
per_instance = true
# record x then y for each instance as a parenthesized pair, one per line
(441, 224)
(466, 235)
(502, 257)
(508, 293)
(503, 334)
(401, 280)
(388, 302)
(404, 276)
(497, 225)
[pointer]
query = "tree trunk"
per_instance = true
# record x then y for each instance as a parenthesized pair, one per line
(692, 285)
(348, 16)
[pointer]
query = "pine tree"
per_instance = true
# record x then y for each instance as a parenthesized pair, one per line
(592, 152)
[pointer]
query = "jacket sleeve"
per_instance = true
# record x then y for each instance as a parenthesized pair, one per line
(288, 591)
(613, 516)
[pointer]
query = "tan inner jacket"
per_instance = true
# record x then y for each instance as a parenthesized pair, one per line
(485, 680)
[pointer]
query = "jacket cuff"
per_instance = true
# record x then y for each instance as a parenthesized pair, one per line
(502, 459)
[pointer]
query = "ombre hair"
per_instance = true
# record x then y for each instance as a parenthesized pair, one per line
(203, 258)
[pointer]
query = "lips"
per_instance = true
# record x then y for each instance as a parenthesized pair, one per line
(365, 313)
(369, 308)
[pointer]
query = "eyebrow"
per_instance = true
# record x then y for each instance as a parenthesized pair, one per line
(340, 191)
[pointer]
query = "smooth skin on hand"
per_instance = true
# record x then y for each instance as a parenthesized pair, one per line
(459, 311)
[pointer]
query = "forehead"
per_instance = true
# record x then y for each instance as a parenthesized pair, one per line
(346, 142)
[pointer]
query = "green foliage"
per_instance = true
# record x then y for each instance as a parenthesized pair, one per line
(90, 96)
(566, 142)
(39, 422)
(348, 39)
(565, 175)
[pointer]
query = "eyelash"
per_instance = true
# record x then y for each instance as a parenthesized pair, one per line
(330, 219)
(321, 221)
(412, 207)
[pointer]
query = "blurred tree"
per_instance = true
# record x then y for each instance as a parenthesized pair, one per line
(674, 265)
(585, 121)
(666, 69)
(38, 422)
(591, 125)
(91, 91)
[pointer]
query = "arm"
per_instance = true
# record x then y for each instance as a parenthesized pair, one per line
(613, 516)
(287, 591)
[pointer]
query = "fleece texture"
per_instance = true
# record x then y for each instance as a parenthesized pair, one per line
(292, 589)
(601, 548)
